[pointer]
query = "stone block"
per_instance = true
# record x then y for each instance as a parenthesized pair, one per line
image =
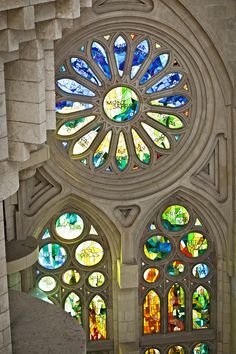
(50, 100)
(3, 20)
(18, 151)
(36, 158)
(9, 179)
(7, 336)
(22, 18)
(9, 40)
(127, 275)
(36, 2)
(27, 112)
(32, 50)
(44, 12)
(25, 70)
(49, 59)
(12, 4)
(25, 36)
(2, 104)
(68, 9)
(50, 80)
(24, 91)
(3, 269)
(50, 29)
(4, 304)
(3, 285)
(3, 148)
(2, 249)
(86, 3)
(27, 132)
(8, 349)
(51, 120)
(3, 126)
(2, 82)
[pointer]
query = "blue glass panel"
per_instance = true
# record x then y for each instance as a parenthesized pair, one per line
(156, 66)
(168, 81)
(52, 256)
(120, 51)
(140, 54)
(72, 86)
(83, 69)
(64, 107)
(62, 69)
(100, 57)
(170, 101)
(200, 270)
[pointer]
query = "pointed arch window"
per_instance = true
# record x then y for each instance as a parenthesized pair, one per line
(177, 266)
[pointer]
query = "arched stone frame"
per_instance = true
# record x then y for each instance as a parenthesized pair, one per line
(73, 203)
(215, 224)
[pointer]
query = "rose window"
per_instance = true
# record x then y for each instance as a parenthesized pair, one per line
(123, 103)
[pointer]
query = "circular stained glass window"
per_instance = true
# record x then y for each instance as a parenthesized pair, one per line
(96, 279)
(176, 268)
(151, 275)
(52, 256)
(69, 226)
(157, 247)
(89, 253)
(124, 116)
(200, 271)
(176, 349)
(193, 244)
(71, 277)
(152, 351)
(47, 283)
(201, 348)
(175, 217)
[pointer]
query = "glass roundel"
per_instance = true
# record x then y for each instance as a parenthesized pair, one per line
(69, 226)
(157, 247)
(71, 277)
(123, 102)
(52, 256)
(175, 217)
(96, 279)
(193, 244)
(151, 275)
(89, 253)
(47, 283)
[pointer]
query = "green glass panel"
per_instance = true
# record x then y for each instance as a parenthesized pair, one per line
(201, 308)
(73, 306)
(168, 120)
(52, 256)
(71, 277)
(201, 348)
(46, 234)
(121, 104)
(141, 149)
(157, 137)
(84, 143)
(175, 217)
(97, 319)
(176, 349)
(151, 275)
(69, 226)
(73, 126)
(151, 313)
(122, 156)
(96, 279)
(89, 253)
(157, 247)
(176, 268)
(193, 244)
(176, 309)
(101, 154)
(47, 283)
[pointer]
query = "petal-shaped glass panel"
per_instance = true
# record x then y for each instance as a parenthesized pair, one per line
(65, 107)
(89, 253)
(71, 277)
(73, 306)
(168, 120)
(176, 308)
(101, 154)
(200, 271)
(47, 283)
(96, 279)
(170, 101)
(156, 66)
(52, 256)
(97, 319)
(151, 275)
(120, 52)
(141, 149)
(157, 247)
(193, 244)
(100, 57)
(140, 54)
(201, 308)
(122, 156)
(176, 349)
(167, 82)
(121, 104)
(69, 226)
(176, 268)
(152, 351)
(175, 217)
(201, 348)
(72, 126)
(73, 87)
(84, 70)
(151, 313)
(46, 234)
(84, 143)
(157, 137)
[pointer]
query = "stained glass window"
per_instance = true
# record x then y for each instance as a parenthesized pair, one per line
(176, 280)
(120, 102)
(74, 270)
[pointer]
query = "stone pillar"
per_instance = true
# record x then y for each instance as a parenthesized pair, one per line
(5, 333)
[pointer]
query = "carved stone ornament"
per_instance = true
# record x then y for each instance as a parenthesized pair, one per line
(102, 6)
(127, 215)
